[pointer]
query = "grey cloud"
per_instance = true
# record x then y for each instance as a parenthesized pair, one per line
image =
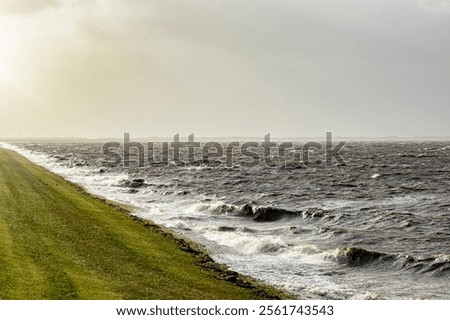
(243, 67)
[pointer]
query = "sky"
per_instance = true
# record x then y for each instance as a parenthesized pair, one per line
(294, 68)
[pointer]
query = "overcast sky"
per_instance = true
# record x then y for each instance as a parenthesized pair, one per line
(99, 68)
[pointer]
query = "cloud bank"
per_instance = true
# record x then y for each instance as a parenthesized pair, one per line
(293, 68)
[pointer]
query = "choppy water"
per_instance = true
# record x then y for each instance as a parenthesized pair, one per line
(377, 228)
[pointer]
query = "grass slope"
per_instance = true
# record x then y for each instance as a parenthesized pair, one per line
(58, 242)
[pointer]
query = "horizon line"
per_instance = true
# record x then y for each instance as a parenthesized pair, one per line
(80, 138)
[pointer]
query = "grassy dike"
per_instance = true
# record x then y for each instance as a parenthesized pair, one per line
(59, 242)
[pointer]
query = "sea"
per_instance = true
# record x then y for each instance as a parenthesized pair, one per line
(374, 227)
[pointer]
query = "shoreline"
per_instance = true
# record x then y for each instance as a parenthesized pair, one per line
(223, 276)
(203, 258)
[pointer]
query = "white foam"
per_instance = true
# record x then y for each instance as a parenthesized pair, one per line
(268, 252)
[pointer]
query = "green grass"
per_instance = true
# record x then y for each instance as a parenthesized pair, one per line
(58, 242)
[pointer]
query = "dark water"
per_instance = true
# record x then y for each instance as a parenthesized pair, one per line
(376, 228)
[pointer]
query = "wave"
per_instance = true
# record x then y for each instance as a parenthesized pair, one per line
(358, 257)
(437, 266)
(257, 213)
(134, 183)
(216, 208)
(353, 257)
(269, 214)
(260, 213)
